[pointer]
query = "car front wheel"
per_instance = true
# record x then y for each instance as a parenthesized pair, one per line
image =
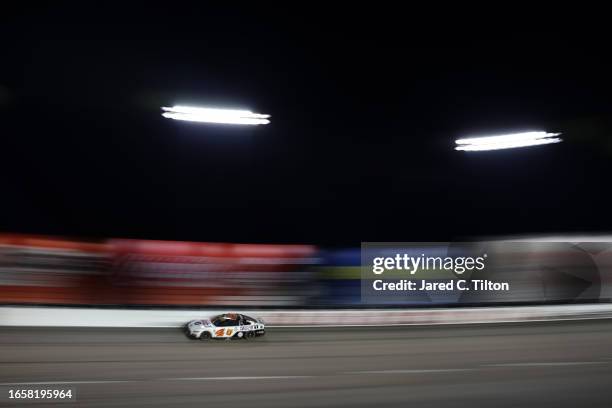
(204, 336)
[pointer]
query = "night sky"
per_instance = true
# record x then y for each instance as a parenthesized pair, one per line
(365, 104)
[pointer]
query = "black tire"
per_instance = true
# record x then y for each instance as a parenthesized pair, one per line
(187, 333)
(205, 336)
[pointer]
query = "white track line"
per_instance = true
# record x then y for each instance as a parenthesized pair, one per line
(547, 364)
(422, 371)
(263, 377)
(269, 377)
(292, 377)
(66, 382)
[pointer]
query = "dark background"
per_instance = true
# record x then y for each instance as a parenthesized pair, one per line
(366, 104)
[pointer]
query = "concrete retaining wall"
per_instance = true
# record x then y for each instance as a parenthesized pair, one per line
(91, 317)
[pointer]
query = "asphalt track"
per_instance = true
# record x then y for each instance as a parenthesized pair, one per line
(562, 364)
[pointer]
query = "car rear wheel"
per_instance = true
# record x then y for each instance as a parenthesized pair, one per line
(204, 336)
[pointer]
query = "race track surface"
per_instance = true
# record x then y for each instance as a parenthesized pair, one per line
(563, 364)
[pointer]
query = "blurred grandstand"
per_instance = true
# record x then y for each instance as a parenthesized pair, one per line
(59, 271)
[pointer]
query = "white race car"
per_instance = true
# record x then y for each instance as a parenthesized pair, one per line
(226, 326)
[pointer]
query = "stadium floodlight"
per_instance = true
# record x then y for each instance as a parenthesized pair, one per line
(508, 141)
(215, 115)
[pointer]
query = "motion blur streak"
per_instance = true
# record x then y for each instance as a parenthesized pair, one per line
(52, 271)
(507, 145)
(468, 366)
(507, 141)
(212, 115)
(59, 271)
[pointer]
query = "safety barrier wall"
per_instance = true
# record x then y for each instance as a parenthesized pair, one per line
(90, 317)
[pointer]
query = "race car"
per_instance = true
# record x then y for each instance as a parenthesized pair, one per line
(226, 326)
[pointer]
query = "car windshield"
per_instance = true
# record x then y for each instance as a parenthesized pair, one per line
(224, 321)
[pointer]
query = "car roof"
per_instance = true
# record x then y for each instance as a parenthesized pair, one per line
(232, 316)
